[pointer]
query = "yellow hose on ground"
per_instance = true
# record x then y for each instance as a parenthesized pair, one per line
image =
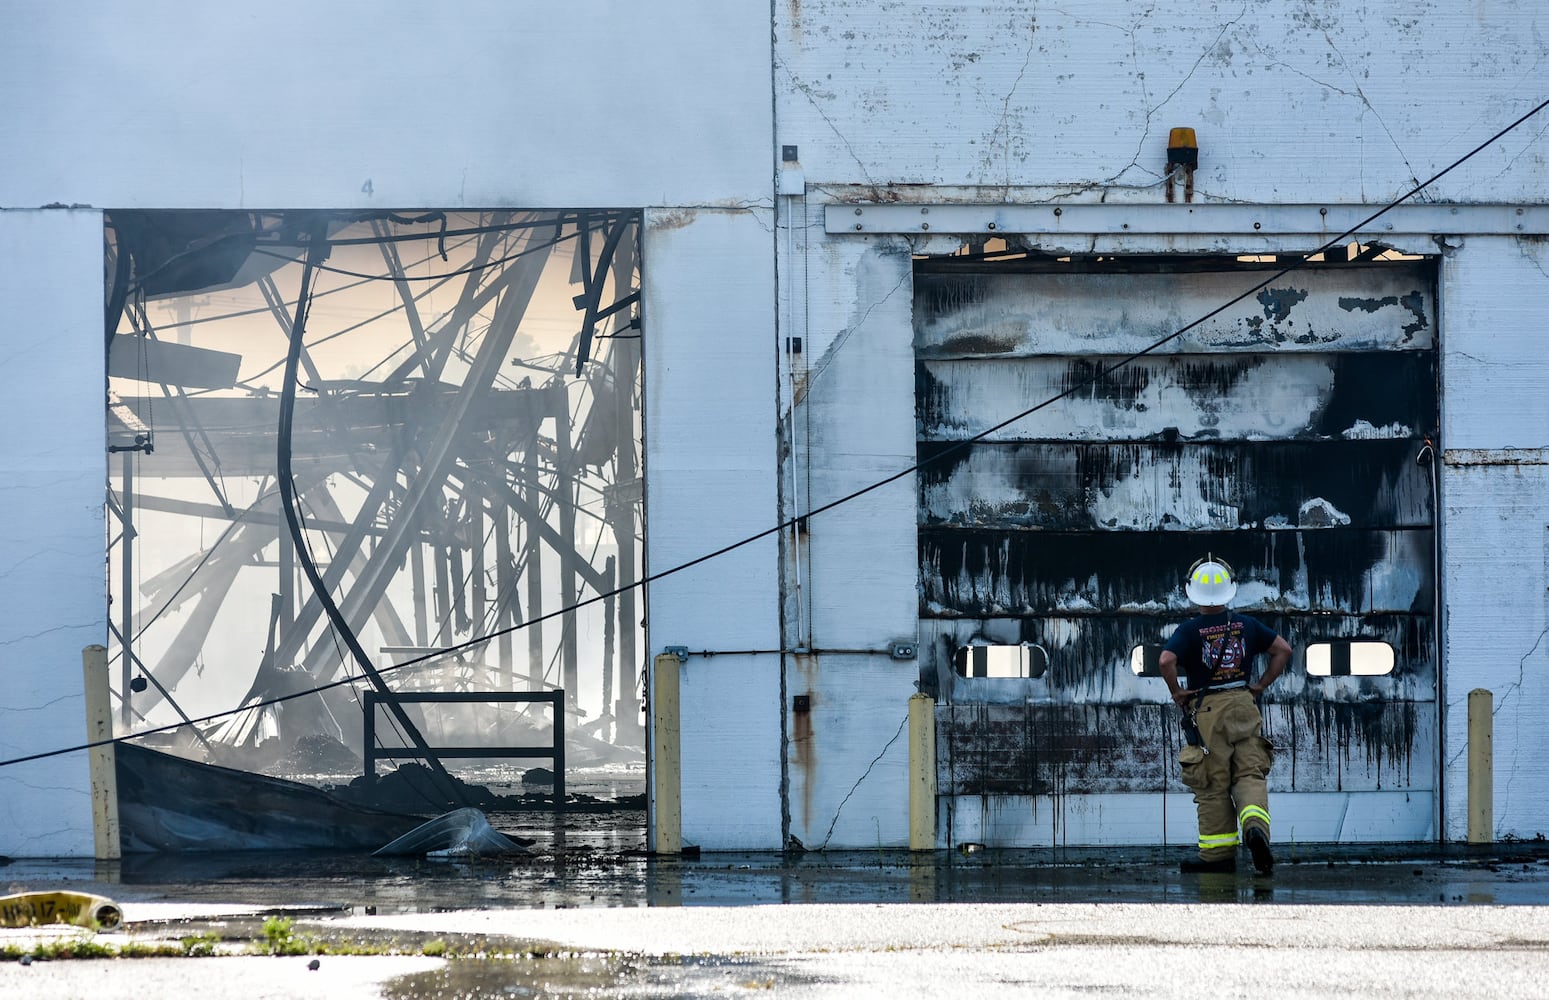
(83, 909)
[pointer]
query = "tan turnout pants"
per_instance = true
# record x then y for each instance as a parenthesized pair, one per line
(1228, 784)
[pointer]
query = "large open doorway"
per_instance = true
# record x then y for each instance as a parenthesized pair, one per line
(461, 443)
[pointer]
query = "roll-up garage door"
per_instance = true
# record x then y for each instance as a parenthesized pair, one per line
(1290, 435)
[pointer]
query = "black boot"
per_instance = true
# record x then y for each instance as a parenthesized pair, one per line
(1258, 846)
(1222, 865)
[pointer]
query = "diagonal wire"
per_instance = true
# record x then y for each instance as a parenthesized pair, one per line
(1102, 373)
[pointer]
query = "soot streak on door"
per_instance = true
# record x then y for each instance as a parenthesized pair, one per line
(1282, 435)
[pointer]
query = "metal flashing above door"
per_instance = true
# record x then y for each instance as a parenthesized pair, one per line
(1160, 219)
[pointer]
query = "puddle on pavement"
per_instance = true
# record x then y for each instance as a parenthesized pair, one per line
(587, 875)
(596, 858)
(566, 976)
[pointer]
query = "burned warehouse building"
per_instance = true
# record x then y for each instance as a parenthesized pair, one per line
(803, 416)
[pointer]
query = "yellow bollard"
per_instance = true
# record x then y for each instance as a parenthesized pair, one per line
(666, 834)
(1481, 768)
(922, 773)
(101, 761)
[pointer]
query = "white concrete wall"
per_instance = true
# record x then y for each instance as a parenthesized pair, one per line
(352, 104)
(1300, 101)
(851, 302)
(54, 465)
(710, 463)
(346, 105)
(1495, 508)
(1008, 102)
(482, 103)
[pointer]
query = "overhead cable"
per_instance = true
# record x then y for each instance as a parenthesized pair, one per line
(1102, 373)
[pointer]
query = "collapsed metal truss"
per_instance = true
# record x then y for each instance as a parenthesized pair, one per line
(441, 494)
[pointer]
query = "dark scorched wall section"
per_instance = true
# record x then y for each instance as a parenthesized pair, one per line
(1287, 434)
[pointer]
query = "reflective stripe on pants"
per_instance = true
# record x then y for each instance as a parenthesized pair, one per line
(1214, 840)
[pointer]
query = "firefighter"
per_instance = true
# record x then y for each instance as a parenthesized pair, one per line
(1226, 768)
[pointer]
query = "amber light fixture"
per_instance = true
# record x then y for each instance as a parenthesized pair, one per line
(1182, 158)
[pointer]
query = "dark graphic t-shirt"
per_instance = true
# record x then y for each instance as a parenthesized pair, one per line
(1215, 650)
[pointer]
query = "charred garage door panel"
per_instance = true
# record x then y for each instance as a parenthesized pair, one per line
(1061, 749)
(1289, 435)
(1209, 397)
(1200, 486)
(1114, 307)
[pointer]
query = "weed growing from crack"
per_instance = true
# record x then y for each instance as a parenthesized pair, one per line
(280, 938)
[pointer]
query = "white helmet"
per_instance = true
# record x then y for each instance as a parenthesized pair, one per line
(1210, 582)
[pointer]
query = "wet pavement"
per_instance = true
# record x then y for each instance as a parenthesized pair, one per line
(593, 855)
(592, 879)
(590, 914)
(564, 873)
(585, 916)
